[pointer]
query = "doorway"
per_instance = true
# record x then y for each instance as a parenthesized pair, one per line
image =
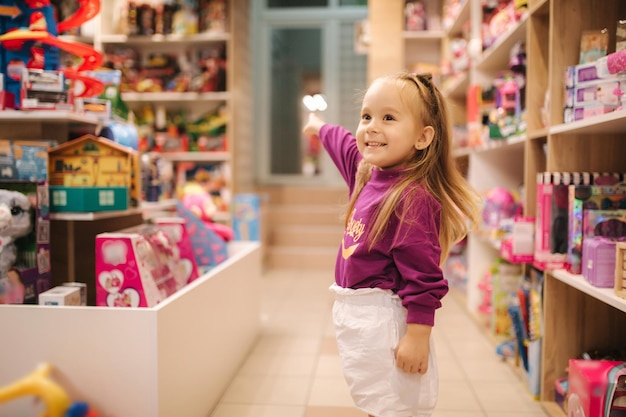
(302, 53)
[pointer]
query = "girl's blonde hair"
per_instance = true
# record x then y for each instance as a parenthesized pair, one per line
(434, 167)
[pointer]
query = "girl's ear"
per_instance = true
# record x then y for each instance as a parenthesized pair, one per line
(425, 139)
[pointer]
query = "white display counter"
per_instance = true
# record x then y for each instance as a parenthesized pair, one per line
(175, 359)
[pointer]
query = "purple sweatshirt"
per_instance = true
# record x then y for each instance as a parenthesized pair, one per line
(406, 259)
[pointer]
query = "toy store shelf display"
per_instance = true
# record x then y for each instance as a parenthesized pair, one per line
(161, 354)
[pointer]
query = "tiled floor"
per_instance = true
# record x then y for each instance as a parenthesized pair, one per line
(294, 371)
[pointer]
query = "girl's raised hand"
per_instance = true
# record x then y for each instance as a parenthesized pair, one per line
(313, 125)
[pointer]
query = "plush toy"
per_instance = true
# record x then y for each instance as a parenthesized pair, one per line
(14, 223)
(200, 202)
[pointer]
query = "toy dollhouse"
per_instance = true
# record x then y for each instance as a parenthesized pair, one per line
(91, 174)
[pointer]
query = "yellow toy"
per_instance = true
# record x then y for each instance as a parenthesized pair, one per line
(39, 384)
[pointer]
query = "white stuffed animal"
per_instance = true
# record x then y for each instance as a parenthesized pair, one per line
(14, 223)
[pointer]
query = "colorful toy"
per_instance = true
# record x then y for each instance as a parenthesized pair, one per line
(92, 174)
(39, 384)
(14, 223)
(138, 267)
(29, 39)
(209, 248)
(196, 199)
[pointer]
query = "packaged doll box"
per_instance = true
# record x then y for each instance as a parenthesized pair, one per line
(596, 388)
(140, 266)
(594, 210)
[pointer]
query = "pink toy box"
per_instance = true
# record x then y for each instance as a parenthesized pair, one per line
(551, 218)
(138, 267)
(175, 228)
(517, 247)
(598, 262)
(596, 388)
(209, 249)
(582, 200)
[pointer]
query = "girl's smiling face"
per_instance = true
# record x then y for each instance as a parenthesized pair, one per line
(388, 135)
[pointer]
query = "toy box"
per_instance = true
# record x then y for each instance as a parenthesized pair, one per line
(605, 92)
(598, 261)
(518, 246)
(60, 296)
(552, 218)
(175, 228)
(44, 90)
(585, 111)
(24, 160)
(138, 267)
(93, 174)
(246, 220)
(582, 199)
(581, 73)
(208, 248)
(593, 386)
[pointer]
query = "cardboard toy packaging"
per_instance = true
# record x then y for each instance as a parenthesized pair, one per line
(138, 267)
(583, 202)
(596, 387)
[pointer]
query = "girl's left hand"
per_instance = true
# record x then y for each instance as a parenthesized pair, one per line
(413, 349)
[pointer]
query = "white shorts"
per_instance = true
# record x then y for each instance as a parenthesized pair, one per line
(368, 324)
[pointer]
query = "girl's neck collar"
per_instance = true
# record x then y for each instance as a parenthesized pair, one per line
(385, 174)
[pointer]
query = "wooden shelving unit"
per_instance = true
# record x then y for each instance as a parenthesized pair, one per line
(577, 316)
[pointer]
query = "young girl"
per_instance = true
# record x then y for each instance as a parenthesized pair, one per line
(408, 206)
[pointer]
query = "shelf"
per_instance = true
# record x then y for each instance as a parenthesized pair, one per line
(496, 57)
(434, 35)
(47, 116)
(456, 27)
(103, 215)
(539, 134)
(494, 145)
(457, 86)
(606, 295)
(553, 409)
(194, 156)
(609, 123)
(165, 39)
(132, 97)
(540, 8)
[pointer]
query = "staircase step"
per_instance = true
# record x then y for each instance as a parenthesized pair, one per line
(306, 235)
(309, 195)
(301, 258)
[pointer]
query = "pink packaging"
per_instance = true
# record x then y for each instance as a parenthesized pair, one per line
(594, 385)
(598, 263)
(137, 267)
(551, 220)
(518, 246)
(176, 229)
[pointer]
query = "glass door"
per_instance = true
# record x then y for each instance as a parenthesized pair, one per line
(305, 60)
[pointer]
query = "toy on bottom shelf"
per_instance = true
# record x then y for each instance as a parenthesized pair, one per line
(39, 384)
